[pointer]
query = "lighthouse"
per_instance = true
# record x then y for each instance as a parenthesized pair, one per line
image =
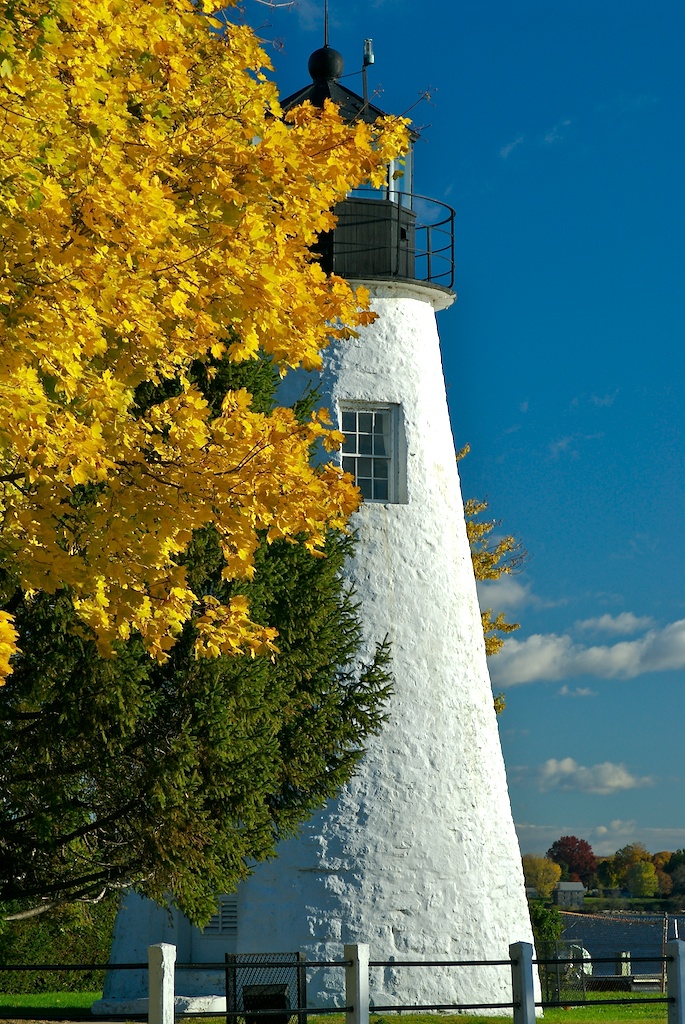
(417, 856)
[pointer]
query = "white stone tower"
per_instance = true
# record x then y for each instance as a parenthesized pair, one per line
(418, 856)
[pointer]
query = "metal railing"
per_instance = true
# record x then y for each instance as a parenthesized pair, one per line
(358, 1004)
(69, 1013)
(408, 237)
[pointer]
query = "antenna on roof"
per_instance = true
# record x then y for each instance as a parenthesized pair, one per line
(368, 59)
(325, 23)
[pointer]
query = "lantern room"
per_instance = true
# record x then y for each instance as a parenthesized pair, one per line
(381, 233)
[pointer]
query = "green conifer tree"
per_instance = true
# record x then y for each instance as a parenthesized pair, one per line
(175, 778)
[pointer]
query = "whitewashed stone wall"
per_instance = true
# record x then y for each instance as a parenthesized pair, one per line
(418, 856)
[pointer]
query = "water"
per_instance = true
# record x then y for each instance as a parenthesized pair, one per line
(606, 935)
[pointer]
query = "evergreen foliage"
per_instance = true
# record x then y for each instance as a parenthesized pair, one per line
(71, 934)
(177, 777)
(548, 926)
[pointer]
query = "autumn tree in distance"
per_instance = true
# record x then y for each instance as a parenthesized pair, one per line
(541, 873)
(575, 857)
(155, 210)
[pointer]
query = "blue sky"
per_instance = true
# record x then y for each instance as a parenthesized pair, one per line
(555, 130)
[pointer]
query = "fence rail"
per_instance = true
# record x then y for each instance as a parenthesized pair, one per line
(77, 967)
(162, 966)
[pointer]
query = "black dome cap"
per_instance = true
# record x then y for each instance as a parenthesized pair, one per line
(325, 64)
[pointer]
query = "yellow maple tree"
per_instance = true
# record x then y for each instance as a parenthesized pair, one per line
(156, 208)
(490, 562)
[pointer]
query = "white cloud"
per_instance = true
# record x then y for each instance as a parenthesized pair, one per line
(509, 594)
(620, 833)
(528, 661)
(580, 691)
(561, 445)
(599, 401)
(604, 401)
(510, 147)
(622, 624)
(552, 657)
(569, 444)
(617, 828)
(557, 133)
(549, 138)
(602, 779)
(504, 594)
(640, 545)
(604, 839)
(309, 15)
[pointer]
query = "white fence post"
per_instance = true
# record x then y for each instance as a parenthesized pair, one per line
(161, 959)
(675, 981)
(522, 987)
(357, 983)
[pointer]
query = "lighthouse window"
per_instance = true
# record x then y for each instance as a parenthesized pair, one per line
(369, 450)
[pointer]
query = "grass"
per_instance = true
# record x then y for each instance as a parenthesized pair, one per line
(588, 1014)
(50, 1000)
(591, 1013)
(67, 1005)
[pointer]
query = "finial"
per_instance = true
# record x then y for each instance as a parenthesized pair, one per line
(325, 64)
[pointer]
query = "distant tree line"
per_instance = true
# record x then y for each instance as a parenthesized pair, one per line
(631, 870)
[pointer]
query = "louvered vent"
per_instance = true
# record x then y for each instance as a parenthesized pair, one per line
(225, 922)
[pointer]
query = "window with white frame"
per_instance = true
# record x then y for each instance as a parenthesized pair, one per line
(370, 449)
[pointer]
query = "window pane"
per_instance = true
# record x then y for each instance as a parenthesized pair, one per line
(382, 433)
(369, 450)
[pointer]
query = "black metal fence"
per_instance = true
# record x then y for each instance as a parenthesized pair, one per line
(567, 969)
(273, 986)
(564, 981)
(269, 982)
